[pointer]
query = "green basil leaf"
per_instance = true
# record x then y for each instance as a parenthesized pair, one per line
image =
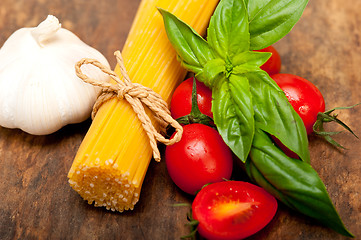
(211, 71)
(233, 113)
(191, 68)
(189, 45)
(293, 182)
(249, 61)
(271, 20)
(275, 115)
(228, 32)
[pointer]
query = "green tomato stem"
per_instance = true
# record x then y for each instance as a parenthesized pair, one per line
(324, 117)
(196, 116)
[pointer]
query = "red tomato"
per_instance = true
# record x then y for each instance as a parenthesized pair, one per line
(199, 158)
(273, 64)
(232, 210)
(304, 97)
(181, 103)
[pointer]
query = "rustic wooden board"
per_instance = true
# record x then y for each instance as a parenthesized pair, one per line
(37, 202)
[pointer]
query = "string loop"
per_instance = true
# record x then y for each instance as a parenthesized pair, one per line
(137, 96)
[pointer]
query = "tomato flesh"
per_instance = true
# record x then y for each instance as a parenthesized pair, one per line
(273, 64)
(305, 97)
(232, 210)
(181, 103)
(199, 158)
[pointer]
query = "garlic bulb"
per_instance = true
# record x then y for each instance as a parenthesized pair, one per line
(39, 90)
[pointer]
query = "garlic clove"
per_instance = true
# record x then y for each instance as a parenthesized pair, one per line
(39, 90)
(45, 30)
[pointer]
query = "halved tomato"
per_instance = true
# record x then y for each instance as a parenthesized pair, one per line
(232, 210)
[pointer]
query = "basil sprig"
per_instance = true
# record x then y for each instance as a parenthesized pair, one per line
(247, 105)
(243, 95)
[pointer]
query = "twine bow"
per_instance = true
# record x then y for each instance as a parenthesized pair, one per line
(136, 95)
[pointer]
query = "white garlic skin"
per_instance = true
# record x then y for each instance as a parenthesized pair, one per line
(39, 90)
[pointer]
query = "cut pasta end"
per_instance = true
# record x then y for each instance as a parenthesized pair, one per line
(102, 186)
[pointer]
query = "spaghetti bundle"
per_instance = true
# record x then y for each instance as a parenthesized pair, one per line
(111, 163)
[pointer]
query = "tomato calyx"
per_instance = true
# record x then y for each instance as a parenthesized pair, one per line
(196, 116)
(192, 223)
(327, 116)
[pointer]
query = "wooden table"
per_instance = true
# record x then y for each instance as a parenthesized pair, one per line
(38, 203)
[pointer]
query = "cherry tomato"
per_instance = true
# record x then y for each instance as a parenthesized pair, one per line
(273, 64)
(181, 103)
(199, 158)
(304, 97)
(232, 210)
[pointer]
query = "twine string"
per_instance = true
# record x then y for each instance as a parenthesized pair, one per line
(137, 96)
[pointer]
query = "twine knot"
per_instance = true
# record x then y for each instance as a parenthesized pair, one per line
(136, 95)
(123, 90)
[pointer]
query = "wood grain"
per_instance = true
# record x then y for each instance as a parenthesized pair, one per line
(38, 203)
